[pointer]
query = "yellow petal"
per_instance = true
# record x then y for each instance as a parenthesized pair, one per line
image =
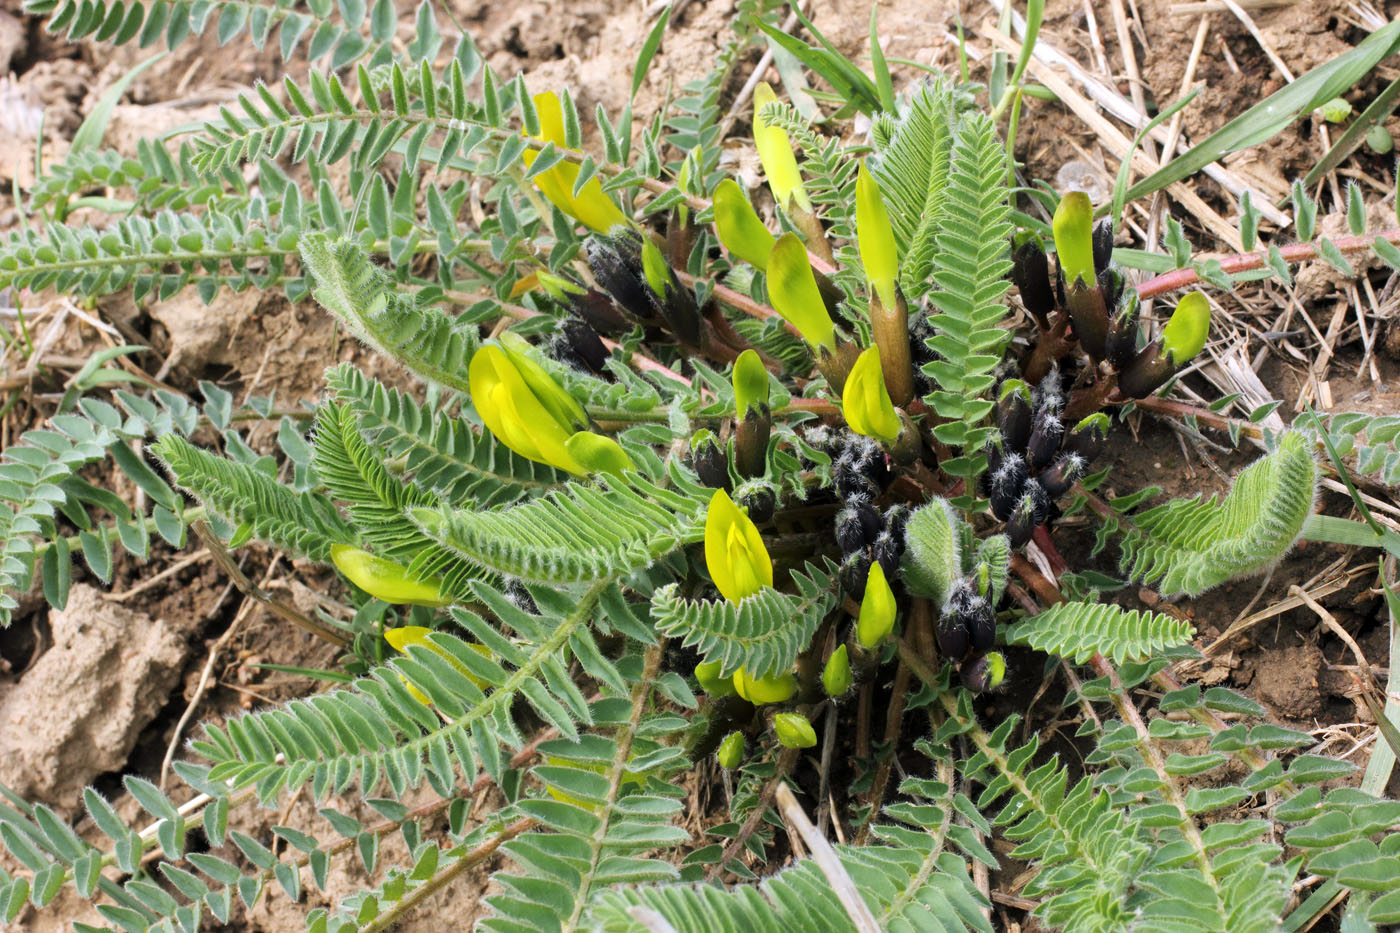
(386, 580)
(739, 227)
(793, 290)
(866, 402)
(775, 151)
(513, 413)
(734, 550)
(598, 454)
(760, 690)
(403, 636)
(875, 237)
(554, 397)
(592, 206)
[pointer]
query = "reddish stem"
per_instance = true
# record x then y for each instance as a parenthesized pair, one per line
(1298, 252)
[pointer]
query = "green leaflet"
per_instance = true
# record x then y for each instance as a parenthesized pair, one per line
(762, 634)
(306, 524)
(1078, 631)
(352, 288)
(971, 261)
(912, 170)
(581, 533)
(1190, 545)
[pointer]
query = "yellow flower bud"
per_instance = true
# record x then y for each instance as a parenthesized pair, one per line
(1187, 329)
(793, 290)
(734, 551)
(1073, 225)
(591, 206)
(775, 151)
(751, 387)
(739, 227)
(875, 237)
(731, 751)
(386, 580)
(524, 408)
(794, 730)
(866, 402)
(877, 609)
(836, 676)
(761, 690)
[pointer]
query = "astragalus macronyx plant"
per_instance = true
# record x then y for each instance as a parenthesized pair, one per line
(764, 479)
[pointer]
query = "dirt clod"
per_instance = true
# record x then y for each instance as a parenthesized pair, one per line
(1286, 679)
(78, 710)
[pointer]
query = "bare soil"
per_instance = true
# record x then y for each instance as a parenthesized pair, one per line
(261, 344)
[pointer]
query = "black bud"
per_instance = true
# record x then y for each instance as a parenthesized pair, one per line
(1103, 244)
(1111, 283)
(981, 624)
(1030, 512)
(855, 571)
(1030, 273)
(896, 517)
(850, 481)
(585, 343)
(1007, 486)
(708, 459)
(617, 265)
(1014, 418)
(1147, 372)
(858, 524)
(888, 550)
(953, 638)
(760, 503)
(1045, 440)
(520, 597)
(1067, 468)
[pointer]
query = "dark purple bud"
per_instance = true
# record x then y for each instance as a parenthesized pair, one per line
(1123, 332)
(855, 570)
(708, 459)
(1111, 282)
(953, 638)
(887, 551)
(1088, 313)
(983, 673)
(1089, 437)
(1008, 485)
(760, 502)
(1147, 372)
(1062, 474)
(1046, 436)
(1014, 414)
(1030, 273)
(1103, 244)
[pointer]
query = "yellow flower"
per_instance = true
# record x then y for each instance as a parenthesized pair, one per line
(524, 408)
(1187, 329)
(591, 206)
(707, 674)
(875, 237)
(866, 402)
(793, 290)
(760, 690)
(877, 609)
(386, 580)
(775, 151)
(734, 551)
(731, 751)
(406, 635)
